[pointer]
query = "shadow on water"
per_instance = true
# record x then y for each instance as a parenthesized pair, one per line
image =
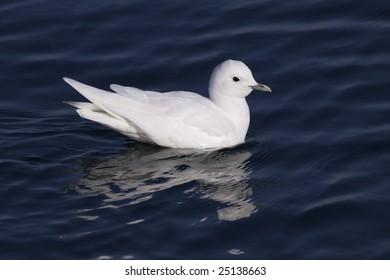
(141, 171)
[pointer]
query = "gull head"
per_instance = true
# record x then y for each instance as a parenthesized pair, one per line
(234, 79)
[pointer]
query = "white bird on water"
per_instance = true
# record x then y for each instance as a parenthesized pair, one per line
(177, 119)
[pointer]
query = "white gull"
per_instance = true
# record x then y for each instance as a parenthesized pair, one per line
(177, 119)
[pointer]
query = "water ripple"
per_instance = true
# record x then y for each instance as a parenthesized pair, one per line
(310, 182)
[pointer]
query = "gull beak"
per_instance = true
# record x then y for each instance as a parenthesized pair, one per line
(262, 88)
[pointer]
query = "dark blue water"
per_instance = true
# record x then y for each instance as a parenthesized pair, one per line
(311, 182)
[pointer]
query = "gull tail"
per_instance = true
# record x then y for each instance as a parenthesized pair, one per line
(97, 112)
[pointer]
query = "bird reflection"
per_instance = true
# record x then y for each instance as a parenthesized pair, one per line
(138, 172)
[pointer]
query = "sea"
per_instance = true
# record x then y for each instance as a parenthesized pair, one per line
(311, 181)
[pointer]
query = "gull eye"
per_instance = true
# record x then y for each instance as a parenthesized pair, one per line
(236, 79)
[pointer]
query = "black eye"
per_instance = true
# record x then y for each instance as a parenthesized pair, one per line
(236, 79)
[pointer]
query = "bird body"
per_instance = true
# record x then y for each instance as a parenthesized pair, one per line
(176, 119)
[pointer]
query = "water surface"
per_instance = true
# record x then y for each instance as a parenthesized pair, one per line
(311, 181)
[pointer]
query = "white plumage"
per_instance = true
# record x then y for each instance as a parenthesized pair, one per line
(177, 119)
